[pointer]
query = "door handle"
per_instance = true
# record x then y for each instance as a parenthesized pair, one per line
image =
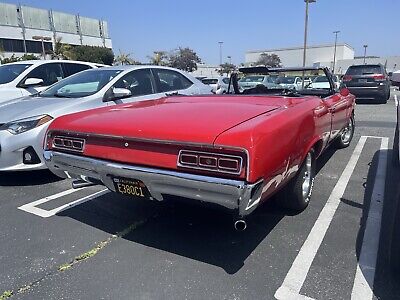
(332, 109)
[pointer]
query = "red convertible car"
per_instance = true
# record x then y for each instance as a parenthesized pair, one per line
(231, 150)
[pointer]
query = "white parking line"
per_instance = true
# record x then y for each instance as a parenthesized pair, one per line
(365, 274)
(297, 274)
(31, 207)
(396, 102)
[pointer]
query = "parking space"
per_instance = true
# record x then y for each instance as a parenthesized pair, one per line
(93, 244)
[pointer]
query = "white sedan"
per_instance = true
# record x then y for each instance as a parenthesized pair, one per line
(24, 121)
(28, 77)
(219, 85)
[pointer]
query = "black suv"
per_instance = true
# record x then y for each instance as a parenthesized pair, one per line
(368, 82)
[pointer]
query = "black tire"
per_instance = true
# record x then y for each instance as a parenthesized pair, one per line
(396, 146)
(345, 137)
(297, 194)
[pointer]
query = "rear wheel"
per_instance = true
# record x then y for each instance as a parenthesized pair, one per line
(297, 193)
(347, 134)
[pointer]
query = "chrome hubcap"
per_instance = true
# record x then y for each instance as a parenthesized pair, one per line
(347, 132)
(307, 176)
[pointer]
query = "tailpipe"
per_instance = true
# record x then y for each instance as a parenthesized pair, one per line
(240, 225)
(77, 184)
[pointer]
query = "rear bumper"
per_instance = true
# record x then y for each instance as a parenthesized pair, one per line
(236, 195)
(369, 92)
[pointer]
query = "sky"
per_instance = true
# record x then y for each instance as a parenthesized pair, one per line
(140, 27)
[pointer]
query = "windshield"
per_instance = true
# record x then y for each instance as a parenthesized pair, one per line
(82, 84)
(210, 81)
(321, 79)
(9, 72)
(285, 80)
(252, 79)
(364, 70)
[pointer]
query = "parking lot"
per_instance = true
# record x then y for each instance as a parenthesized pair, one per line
(60, 243)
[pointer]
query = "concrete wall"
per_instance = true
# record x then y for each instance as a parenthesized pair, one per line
(293, 57)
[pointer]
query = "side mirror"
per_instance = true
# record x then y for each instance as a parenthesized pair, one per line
(116, 93)
(344, 91)
(32, 82)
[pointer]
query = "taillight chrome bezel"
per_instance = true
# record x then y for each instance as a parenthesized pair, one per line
(212, 156)
(68, 143)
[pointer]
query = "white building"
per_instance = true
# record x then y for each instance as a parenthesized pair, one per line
(19, 24)
(293, 57)
(204, 70)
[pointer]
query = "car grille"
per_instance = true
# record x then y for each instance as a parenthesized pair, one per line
(68, 143)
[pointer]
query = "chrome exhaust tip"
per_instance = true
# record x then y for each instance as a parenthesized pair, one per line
(77, 184)
(240, 225)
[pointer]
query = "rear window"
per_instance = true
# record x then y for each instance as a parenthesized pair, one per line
(364, 70)
(210, 81)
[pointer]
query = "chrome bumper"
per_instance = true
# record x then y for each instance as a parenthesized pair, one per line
(232, 194)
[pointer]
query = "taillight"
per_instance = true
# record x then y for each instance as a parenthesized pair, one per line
(347, 78)
(68, 143)
(379, 77)
(223, 163)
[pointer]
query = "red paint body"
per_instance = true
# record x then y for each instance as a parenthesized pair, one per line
(271, 133)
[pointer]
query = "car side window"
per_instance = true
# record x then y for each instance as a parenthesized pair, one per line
(139, 82)
(49, 73)
(71, 68)
(169, 80)
(225, 80)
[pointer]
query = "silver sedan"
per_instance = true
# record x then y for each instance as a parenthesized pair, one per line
(24, 121)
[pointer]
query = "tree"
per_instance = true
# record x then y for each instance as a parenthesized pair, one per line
(159, 58)
(184, 59)
(62, 51)
(269, 60)
(14, 58)
(226, 68)
(93, 54)
(125, 59)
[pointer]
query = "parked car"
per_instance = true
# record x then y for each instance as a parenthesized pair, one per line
(29, 77)
(292, 82)
(219, 85)
(368, 82)
(234, 150)
(395, 78)
(322, 82)
(251, 81)
(23, 122)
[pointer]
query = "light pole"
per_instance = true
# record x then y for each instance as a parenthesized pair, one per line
(42, 38)
(305, 36)
(220, 52)
(334, 52)
(365, 52)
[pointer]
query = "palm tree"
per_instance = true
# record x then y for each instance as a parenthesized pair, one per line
(159, 58)
(125, 59)
(62, 51)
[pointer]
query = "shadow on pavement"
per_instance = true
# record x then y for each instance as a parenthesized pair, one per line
(385, 285)
(27, 178)
(194, 231)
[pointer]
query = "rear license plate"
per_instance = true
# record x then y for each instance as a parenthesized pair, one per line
(363, 80)
(131, 187)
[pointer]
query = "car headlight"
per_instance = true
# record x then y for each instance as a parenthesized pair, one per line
(22, 125)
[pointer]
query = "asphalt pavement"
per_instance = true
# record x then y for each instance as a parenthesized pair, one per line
(59, 243)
